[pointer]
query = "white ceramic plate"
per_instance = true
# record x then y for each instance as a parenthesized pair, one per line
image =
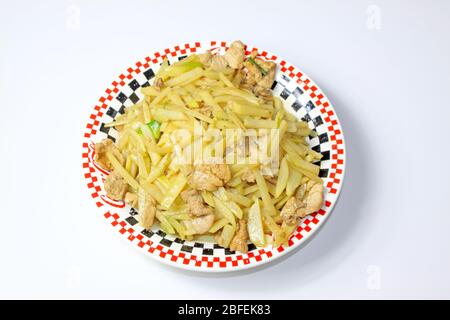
(299, 93)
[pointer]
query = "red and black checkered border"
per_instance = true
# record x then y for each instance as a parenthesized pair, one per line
(212, 263)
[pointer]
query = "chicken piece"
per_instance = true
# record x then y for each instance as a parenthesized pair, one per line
(270, 67)
(235, 54)
(272, 180)
(209, 176)
(303, 203)
(262, 92)
(147, 210)
(205, 58)
(258, 82)
(131, 199)
(200, 225)
(102, 148)
(115, 186)
(239, 241)
(248, 176)
(195, 203)
(158, 84)
(218, 63)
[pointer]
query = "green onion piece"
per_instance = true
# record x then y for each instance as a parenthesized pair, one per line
(155, 128)
(252, 61)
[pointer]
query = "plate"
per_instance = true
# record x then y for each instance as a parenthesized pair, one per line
(300, 95)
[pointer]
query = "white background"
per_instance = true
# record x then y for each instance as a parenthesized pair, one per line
(388, 236)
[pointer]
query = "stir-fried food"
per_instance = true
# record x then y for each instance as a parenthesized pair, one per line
(185, 156)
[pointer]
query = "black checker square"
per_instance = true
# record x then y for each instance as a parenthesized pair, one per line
(134, 98)
(122, 109)
(228, 252)
(251, 247)
(309, 106)
(306, 118)
(323, 137)
(199, 245)
(325, 155)
(285, 78)
(122, 97)
(297, 92)
(131, 220)
(316, 148)
(178, 240)
(323, 173)
(296, 105)
(149, 74)
(145, 84)
(208, 251)
(166, 242)
(181, 58)
(111, 112)
(274, 84)
(161, 233)
(186, 248)
(317, 121)
(104, 129)
(285, 94)
(134, 85)
(133, 212)
(148, 233)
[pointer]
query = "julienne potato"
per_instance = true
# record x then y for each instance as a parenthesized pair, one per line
(210, 152)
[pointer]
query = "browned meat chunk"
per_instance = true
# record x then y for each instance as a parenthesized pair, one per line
(115, 186)
(239, 241)
(101, 149)
(195, 203)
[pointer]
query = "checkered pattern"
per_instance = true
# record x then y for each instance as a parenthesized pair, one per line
(302, 97)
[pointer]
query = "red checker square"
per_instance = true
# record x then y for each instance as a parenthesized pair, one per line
(186, 261)
(290, 242)
(246, 261)
(94, 195)
(198, 263)
(269, 254)
(181, 255)
(141, 244)
(107, 215)
(258, 258)
(234, 263)
(123, 223)
(170, 251)
(183, 51)
(333, 191)
(227, 258)
(157, 54)
(210, 264)
(222, 264)
(151, 249)
(122, 231)
(327, 203)
(174, 258)
(131, 237)
(280, 249)
(99, 204)
(140, 236)
(197, 44)
(146, 65)
(307, 229)
(162, 254)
